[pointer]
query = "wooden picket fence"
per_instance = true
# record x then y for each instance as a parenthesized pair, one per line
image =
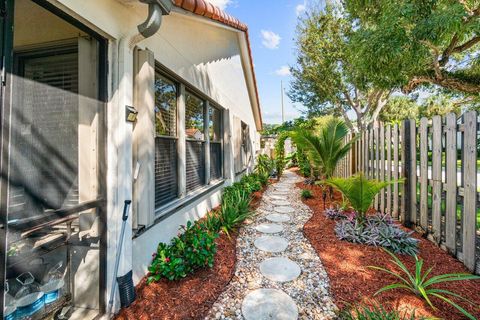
(437, 160)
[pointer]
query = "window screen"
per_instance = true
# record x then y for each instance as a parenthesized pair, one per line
(166, 173)
(44, 142)
(215, 132)
(195, 146)
(194, 117)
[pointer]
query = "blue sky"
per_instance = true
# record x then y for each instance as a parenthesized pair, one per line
(272, 30)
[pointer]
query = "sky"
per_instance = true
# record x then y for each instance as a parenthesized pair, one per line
(272, 30)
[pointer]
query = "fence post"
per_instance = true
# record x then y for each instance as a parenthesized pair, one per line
(382, 166)
(407, 168)
(424, 173)
(451, 181)
(396, 169)
(437, 178)
(388, 174)
(470, 189)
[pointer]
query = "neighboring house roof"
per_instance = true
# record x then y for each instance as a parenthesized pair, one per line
(208, 10)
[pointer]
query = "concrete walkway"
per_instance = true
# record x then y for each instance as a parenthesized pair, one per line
(278, 274)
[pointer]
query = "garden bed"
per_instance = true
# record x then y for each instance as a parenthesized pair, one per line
(192, 296)
(351, 282)
(188, 298)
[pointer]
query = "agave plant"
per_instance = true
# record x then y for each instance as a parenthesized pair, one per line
(421, 284)
(359, 191)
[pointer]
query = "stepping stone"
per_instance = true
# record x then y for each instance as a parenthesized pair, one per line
(280, 193)
(280, 269)
(277, 197)
(278, 217)
(269, 228)
(282, 189)
(281, 203)
(269, 304)
(284, 209)
(271, 243)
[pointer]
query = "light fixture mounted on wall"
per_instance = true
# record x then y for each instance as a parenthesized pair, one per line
(130, 114)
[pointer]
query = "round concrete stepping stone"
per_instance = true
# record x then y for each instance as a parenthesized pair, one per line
(269, 228)
(271, 243)
(269, 304)
(282, 189)
(280, 193)
(276, 197)
(280, 269)
(284, 209)
(281, 203)
(278, 217)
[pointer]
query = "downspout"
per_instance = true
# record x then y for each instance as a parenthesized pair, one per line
(156, 9)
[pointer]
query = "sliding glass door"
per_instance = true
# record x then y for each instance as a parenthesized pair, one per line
(52, 175)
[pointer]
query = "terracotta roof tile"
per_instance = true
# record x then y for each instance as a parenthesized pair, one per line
(207, 10)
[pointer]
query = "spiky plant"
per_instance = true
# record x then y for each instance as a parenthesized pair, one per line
(421, 284)
(359, 191)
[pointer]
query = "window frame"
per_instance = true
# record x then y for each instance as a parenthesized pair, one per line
(169, 208)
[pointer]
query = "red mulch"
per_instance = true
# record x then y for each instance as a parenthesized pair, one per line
(193, 296)
(351, 282)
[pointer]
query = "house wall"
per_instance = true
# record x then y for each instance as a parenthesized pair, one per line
(208, 57)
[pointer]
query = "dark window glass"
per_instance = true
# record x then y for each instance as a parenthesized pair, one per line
(214, 124)
(194, 117)
(165, 107)
(166, 159)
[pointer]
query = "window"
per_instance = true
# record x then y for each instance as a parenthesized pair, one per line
(166, 175)
(215, 133)
(195, 144)
(246, 145)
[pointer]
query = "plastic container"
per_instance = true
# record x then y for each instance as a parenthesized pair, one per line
(54, 284)
(29, 299)
(9, 312)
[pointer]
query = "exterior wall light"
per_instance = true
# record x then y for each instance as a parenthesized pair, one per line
(131, 114)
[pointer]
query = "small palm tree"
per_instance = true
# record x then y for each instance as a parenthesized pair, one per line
(359, 191)
(325, 150)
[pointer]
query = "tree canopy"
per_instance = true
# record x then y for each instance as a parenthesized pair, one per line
(410, 43)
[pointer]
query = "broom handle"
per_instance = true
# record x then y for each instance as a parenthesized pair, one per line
(119, 251)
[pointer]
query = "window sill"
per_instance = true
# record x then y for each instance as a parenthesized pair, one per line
(167, 210)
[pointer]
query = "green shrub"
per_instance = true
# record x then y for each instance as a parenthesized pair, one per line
(419, 283)
(373, 313)
(194, 248)
(251, 183)
(264, 166)
(212, 222)
(231, 216)
(306, 194)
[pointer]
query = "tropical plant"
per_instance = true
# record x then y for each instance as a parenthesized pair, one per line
(421, 284)
(326, 149)
(280, 153)
(265, 165)
(359, 191)
(306, 194)
(376, 312)
(231, 217)
(377, 230)
(194, 248)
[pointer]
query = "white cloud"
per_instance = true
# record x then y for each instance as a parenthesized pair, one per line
(299, 9)
(283, 71)
(222, 4)
(271, 40)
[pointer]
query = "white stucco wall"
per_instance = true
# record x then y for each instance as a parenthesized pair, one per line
(208, 57)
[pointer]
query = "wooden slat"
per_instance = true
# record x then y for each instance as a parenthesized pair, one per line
(396, 168)
(365, 152)
(382, 166)
(451, 183)
(377, 162)
(436, 177)
(388, 164)
(371, 170)
(413, 171)
(423, 173)
(470, 185)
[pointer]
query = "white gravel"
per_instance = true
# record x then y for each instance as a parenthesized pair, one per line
(309, 291)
